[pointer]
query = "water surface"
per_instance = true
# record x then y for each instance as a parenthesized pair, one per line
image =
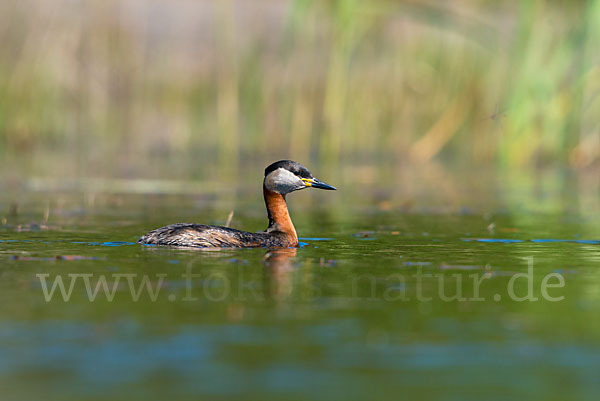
(365, 309)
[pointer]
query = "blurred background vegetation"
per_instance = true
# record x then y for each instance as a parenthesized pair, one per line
(187, 89)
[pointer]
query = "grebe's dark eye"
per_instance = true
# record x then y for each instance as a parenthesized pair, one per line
(303, 173)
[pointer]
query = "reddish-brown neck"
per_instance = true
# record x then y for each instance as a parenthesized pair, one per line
(279, 217)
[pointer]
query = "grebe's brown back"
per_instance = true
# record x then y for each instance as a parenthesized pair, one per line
(281, 178)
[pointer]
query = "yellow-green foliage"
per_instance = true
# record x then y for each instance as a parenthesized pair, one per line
(513, 83)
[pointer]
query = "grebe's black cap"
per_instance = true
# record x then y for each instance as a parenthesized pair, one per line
(300, 171)
(291, 166)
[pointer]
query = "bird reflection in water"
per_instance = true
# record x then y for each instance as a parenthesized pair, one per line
(279, 264)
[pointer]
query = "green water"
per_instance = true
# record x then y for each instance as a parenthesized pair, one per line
(362, 310)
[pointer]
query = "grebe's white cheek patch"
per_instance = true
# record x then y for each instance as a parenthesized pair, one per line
(283, 181)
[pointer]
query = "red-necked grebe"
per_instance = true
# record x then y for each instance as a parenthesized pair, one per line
(281, 178)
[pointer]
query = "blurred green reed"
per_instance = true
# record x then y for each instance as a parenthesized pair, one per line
(118, 84)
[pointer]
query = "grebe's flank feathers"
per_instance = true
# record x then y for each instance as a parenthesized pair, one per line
(203, 236)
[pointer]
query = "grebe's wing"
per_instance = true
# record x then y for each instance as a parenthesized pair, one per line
(204, 236)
